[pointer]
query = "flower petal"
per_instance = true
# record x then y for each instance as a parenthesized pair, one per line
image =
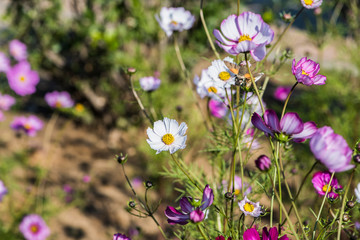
(229, 28)
(251, 234)
(291, 124)
(258, 122)
(175, 217)
(308, 131)
(319, 80)
(272, 120)
(186, 205)
(208, 198)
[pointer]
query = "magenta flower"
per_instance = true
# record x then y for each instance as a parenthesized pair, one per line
(321, 181)
(86, 179)
(30, 125)
(18, 50)
(33, 227)
(119, 236)
(149, 84)
(263, 163)
(6, 101)
(217, 108)
(290, 127)
(57, 99)
(331, 150)
(222, 238)
(22, 79)
(281, 93)
(174, 19)
(252, 234)
(244, 33)
(305, 72)
(190, 209)
(311, 4)
(4, 63)
(3, 190)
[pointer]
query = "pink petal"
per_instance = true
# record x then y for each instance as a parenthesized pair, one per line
(291, 124)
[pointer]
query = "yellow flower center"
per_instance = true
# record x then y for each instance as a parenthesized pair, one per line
(212, 89)
(34, 228)
(174, 22)
(237, 192)
(249, 207)
(325, 187)
(27, 126)
(79, 107)
(58, 104)
(308, 2)
(224, 76)
(245, 37)
(22, 78)
(168, 138)
(304, 73)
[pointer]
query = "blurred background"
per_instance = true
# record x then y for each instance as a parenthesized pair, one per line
(85, 46)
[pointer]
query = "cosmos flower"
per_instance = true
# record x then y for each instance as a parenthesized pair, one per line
(3, 190)
(311, 4)
(250, 208)
(321, 181)
(119, 236)
(237, 186)
(305, 72)
(30, 125)
(281, 93)
(18, 50)
(290, 127)
(217, 108)
(86, 178)
(357, 193)
(6, 101)
(331, 150)
(57, 99)
(220, 73)
(22, 79)
(167, 135)
(222, 238)
(273, 234)
(174, 19)
(244, 33)
(149, 84)
(207, 87)
(4, 63)
(190, 209)
(33, 227)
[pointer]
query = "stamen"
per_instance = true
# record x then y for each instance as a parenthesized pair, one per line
(249, 207)
(22, 78)
(168, 139)
(174, 22)
(325, 187)
(34, 228)
(245, 37)
(224, 76)
(212, 90)
(304, 73)
(308, 2)
(237, 192)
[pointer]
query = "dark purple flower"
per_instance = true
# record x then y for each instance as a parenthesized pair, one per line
(33, 227)
(18, 50)
(281, 93)
(22, 79)
(57, 99)
(321, 181)
(305, 72)
(331, 150)
(263, 163)
(119, 236)
(190, 209)
(30, 125)
(290, 127)
(252, 234)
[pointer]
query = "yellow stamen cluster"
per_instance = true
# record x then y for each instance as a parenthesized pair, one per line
(249, 207)
(245, 37)
(168, 139)
(212, 90)
(22, 78)
(224, 76)
(174, 22)
(308, 2)
(27, 126)
(304, 73)
(325, 187)
(79, 107)
(237, 192)
(34, 228)
(58, 104)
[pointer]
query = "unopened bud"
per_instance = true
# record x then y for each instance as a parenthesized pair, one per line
(132, 204)
(179, 108)
(356, 158)
(263, 163)
(317, 11)
(339, 191)
(229, 195)
(148, 184)
(286, 17)
(346, 217)
(350, 204)
(121, 158)
(131, 70)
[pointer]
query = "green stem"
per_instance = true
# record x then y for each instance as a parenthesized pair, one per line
(139, 101)
(272, 202)
(201, 230)
(279, 180)
(287, 99)
(238, 7)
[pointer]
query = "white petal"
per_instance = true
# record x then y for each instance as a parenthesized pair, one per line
(159, 127)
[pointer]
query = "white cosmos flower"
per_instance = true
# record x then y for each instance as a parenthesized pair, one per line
(357, 193)
(206, 86)
(222, 74)
(167, 135)
(250, 208)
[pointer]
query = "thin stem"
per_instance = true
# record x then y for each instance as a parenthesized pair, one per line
(272, 201)
(238, 7)
(139, 101)
(279, 180)
(343, 205)
(287, 99)
(322, 206)
(185, 172)
(201, 230)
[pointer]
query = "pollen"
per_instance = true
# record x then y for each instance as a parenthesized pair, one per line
(325, 187)
(224, 76)
(34, 228)
(168, 139)
(212, 90)
(22, 78)
(27, 126)
(174, 22)
(304, 73)
(58, 104)
(245, 37)
(249, 207)
(308, 2)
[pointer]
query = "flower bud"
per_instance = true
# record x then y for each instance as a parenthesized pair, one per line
(263, 163)
(346, 217)
(317, 11)
(121, 158)
(356, 158)
(229, 195)
(148, 184)
(350, 204)
(132, 204)
(179, 108)
(131, 70)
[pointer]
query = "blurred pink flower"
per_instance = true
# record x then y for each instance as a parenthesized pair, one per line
(311, 4)
(321, 181)
(3, 190)
(149, 84)
(4, 62)
(217, 108)
(22, 79)
(86, 179)
(18, 50)
(305, 72)
(281, 93)
(57, 99)
(244, 33)
(30, 125)
(6, 101)
(119, 236)
(33, 227)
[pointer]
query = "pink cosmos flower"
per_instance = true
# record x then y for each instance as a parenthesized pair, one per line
(290, 127)
(2, 117)
(252, 234)
(86, 179)
(190, 209)
(6, 101)
(4, 62)
(244, 33)
(3, 190)
(18, 50)
(57, 99)
(331, 150)
(119, 236)
(237, 187)
(217, 109)
(30, 125)
(321, 181)
(149, 84)
(305, 72)
(33, 227)
(281, 93)
(174, 19)
(22, 79)
(311, 4)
